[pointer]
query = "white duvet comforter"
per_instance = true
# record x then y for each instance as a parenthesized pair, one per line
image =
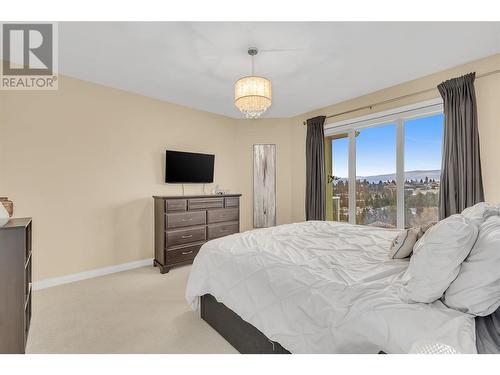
(323, 287)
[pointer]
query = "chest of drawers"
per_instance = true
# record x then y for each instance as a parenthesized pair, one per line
(184, 223)
(15, 285)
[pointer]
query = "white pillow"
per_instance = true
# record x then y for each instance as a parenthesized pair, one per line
(493, 210)
(436, 259)
(476, 290)
(480, 212)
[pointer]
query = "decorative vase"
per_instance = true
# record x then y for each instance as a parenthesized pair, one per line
(4, 216)
(8, 204)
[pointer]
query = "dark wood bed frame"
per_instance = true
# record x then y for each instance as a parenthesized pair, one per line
(243, 336)
(247, 339)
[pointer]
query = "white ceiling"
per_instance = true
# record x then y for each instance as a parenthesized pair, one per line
(311, 64)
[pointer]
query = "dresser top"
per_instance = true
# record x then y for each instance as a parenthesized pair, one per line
(17, 223)
(195, 196)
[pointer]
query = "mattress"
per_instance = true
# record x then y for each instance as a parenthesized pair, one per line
(323, 287)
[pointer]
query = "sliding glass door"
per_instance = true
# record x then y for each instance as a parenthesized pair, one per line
(384, 171)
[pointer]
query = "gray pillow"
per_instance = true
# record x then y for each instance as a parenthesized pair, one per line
(424, 228)
(402, 245)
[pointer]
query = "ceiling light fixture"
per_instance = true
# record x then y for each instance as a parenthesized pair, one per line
(252, 94)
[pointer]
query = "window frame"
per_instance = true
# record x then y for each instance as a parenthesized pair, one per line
(397, 116)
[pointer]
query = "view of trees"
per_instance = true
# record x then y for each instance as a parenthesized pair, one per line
(421, 202)
(376, 202)
(374, 159)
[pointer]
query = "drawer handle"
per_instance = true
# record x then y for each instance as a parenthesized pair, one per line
(224, 230)
(187, 252)
(186, 219)
(188, 236)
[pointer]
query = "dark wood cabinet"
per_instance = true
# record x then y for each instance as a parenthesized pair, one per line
(15, 285)
(184, 223)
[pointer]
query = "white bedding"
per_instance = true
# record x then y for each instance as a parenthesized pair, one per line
(323, 287)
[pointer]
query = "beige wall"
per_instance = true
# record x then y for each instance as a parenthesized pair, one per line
(85, 160)
(488, 102)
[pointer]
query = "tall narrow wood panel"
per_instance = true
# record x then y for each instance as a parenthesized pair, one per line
(264, 186)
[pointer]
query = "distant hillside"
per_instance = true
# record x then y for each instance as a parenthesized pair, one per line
(410, 175)
(417, 175)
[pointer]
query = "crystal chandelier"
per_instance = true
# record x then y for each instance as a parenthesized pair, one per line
(252, 94)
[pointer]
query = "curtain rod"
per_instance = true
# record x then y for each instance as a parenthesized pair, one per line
(370, 106)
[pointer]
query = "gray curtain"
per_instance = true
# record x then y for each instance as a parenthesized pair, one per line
(461, 184)
(315, 169)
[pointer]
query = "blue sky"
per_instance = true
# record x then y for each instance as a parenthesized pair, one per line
(376, 148)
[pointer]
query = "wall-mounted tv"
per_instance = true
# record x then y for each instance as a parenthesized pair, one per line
(189, 168)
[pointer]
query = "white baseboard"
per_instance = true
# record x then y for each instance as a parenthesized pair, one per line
(54, 281)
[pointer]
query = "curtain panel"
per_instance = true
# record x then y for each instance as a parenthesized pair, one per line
(315, 169)
(461, 184)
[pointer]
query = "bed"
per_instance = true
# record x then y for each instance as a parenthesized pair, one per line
(316, 287)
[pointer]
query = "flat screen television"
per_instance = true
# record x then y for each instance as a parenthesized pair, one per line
(189, 168)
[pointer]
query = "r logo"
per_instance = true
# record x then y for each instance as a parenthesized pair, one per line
(27, 49)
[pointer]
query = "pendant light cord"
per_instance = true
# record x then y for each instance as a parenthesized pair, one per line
(252, 52)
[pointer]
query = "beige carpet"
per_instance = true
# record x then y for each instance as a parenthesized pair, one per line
(137, 311)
